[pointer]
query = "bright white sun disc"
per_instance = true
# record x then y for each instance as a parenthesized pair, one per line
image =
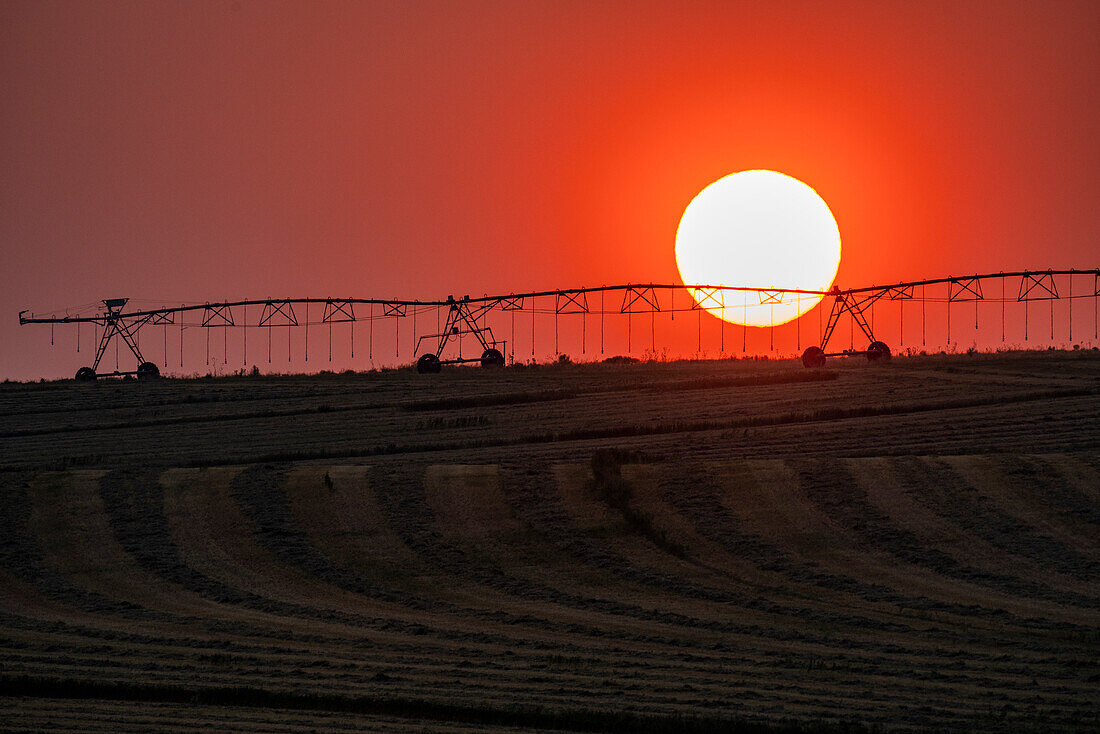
(758, 229)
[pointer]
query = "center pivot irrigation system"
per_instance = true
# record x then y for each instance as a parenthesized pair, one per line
(467, 316)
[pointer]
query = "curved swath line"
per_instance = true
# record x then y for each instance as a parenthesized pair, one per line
(1057, 495)
(845, 546)
(838, 549)
(143, 528)
(691, 494)
(685, 550)
(143, 532)
(247, 556)
(408, 518)
(113, 634)
(52, 714)
(102, 420)
(400, 483)
(258, 492)
(829, 484)
(949, 495)
(268, 504)
(687, 489)
(135, 505)
(533, 497)
(1052, 484)
(695, 496)
(888, 493)
(126, 668)
(705, 508)
(1091, 459)
(136, 648)
(410, 515)
(1040, 554)
(337, 511)
(898, 434)
(335, 650)
(660, 499)
(101, 532)
(538, 504)
(21, 555)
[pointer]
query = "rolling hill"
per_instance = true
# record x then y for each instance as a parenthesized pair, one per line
(705, 546)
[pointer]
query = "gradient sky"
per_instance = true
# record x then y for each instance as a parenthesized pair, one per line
(194, 151)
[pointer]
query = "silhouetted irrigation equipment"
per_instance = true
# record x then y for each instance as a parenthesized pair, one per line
(456, 318)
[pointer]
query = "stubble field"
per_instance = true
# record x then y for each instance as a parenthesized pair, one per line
(908, 546)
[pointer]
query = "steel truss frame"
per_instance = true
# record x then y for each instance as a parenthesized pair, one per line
(115, 324)
(467, 315)
(855, 305)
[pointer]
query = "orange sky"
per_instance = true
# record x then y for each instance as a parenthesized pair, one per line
(202, 151)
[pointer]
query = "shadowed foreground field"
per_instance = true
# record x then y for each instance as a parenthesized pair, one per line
(666, 547)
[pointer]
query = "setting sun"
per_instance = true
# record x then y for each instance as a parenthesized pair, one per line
(758, 229)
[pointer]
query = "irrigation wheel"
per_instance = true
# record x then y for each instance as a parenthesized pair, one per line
(148, 371)
(428, 364)
(877, 351)
(813, 357)
(85, 374)
(492, 358)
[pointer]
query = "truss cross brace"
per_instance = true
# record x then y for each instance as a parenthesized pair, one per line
(707, 298)
(571, 302)
(217, 315)
(1037, 287)
(278, 313)
(463, 319)
(847, 302)
(639, 299)
(964, 289)
(114, 325)
(338, 311)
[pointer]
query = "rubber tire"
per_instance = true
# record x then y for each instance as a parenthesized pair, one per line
(492, 358)
(85, 374)
(877, 351)
(813, 357)
(148, 371)
(428, 364)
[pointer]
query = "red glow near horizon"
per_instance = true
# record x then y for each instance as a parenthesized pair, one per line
(210, 151)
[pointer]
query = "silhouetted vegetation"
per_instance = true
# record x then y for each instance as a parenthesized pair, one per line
(441, 422)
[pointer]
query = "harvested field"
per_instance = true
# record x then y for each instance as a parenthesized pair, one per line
(909, 546)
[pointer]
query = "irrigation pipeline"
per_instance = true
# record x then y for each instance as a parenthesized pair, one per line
(466, 315)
